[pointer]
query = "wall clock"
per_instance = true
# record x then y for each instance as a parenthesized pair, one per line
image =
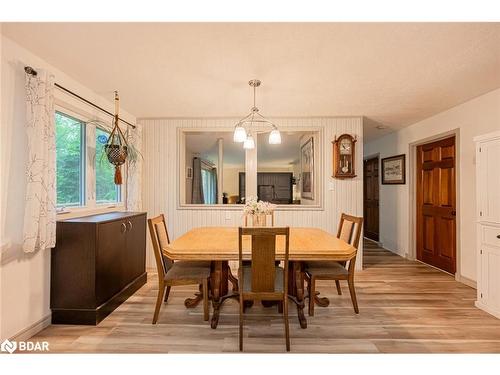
(343, 156)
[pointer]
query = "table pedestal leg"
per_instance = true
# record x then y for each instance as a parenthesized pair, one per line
(296, 290)
(219, 282)
(193, 302)
(321, 301)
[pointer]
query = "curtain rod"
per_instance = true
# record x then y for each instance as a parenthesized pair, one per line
(31, 71)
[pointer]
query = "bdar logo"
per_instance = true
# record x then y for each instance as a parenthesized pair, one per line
(8, 346)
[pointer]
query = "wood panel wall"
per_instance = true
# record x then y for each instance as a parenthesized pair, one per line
(160, 177)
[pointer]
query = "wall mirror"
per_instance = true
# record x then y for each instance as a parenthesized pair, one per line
(218, 172)
(212, 164)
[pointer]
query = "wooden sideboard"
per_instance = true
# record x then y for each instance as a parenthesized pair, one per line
(98, 262)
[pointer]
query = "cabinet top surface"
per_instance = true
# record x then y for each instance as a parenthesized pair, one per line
(102, 218)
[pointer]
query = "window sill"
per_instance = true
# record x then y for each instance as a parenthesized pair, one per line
(72, 213)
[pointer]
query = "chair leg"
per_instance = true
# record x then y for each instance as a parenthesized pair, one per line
(205, 300)
(287, 329)
(280, 307)
(339, 290)
(159, 299)
(167, 293)
(312, 295)
(241, 323)
(350, 282)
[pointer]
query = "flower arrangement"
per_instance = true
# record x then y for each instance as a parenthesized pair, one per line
(256, 207)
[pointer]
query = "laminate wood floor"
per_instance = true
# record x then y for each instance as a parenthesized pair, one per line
(405, 307)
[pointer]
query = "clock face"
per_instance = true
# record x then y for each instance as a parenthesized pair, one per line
(345, 146)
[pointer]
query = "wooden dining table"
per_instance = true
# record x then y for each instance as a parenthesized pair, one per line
(220, 245)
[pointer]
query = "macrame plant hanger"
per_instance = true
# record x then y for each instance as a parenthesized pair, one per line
(116, 147)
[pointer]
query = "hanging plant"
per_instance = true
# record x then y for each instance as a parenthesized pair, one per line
(116, 147)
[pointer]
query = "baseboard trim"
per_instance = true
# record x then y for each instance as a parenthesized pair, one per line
(33, 329)
(488, 309)
(466, 281)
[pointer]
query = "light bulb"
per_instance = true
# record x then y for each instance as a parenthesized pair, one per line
(240, 134)
(249, 143)
(275, 137)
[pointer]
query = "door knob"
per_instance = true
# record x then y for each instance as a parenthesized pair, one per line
(498, 236)
(453, 213)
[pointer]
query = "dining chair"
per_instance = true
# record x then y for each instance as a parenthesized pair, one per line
(172, 273)
(262, 279)
(349, 230)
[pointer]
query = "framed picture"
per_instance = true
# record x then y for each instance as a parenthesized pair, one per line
(307, 169)
(394, 170)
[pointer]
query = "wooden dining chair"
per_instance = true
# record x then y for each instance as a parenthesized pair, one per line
(262, 279)
(349, 230)
(172, 273)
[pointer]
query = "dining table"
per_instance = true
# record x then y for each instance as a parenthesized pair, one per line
(219, 245)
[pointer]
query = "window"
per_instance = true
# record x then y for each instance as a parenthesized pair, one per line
(105, 188)
(84, 176)
(209, 183)
(70, 161)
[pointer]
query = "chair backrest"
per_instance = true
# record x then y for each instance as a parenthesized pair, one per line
(248, 219)
(350, 229)
(350, 232)
(263, 248)
(160, 239)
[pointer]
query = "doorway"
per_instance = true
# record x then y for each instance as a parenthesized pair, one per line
(371, 198)
(436, 204)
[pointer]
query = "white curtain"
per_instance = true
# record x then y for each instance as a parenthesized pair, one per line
(134, 171)
(39, 230)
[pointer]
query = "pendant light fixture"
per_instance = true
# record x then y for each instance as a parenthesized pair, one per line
(243, 129)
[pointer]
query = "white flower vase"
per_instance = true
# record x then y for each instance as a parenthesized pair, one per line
(259, 220)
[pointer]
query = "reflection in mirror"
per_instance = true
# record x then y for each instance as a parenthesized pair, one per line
(286, 172)
(213, 164)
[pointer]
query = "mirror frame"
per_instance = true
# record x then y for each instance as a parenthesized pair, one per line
(181, 169)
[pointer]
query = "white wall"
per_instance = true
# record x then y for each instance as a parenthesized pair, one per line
(160, 178)
(24, 278)
(475, 117)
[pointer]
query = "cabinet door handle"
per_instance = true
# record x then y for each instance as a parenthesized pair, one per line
(123, 228)
(130, 225)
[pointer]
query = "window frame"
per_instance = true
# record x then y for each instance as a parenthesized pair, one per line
(90, 204)
(83, 158)
(118, 188)
(318, 168)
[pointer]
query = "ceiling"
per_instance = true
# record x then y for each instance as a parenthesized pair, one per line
(393, 73)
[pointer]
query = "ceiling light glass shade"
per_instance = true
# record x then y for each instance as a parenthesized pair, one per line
(249, 143)
(240, 134)
(275, 137)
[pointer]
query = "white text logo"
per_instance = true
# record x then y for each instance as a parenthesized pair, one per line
(24, 346)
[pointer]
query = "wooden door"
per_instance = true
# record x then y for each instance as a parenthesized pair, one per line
(436, 204)
(371, 199)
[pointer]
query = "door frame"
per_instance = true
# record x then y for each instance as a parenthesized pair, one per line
(368, 157)
(412, 181)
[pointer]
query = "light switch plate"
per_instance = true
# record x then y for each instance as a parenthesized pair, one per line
(331, 186)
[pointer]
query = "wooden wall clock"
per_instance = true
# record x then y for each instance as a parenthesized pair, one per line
(343, 156)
